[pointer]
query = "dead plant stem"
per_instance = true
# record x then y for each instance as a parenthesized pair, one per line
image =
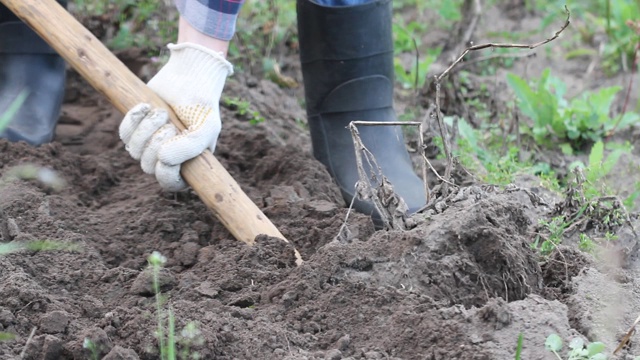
(418, 124)
(24, 349)
(503, 45)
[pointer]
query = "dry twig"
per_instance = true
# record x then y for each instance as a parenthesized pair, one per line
(392, 209)
(627, 337)
(24, 349)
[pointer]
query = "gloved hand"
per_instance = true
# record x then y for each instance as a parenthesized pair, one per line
(191, 83)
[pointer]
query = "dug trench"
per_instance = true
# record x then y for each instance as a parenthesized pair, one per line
(464, 284)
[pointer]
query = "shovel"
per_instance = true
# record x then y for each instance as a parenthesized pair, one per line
(89, 57)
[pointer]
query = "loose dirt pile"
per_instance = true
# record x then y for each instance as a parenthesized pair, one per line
(462, 285)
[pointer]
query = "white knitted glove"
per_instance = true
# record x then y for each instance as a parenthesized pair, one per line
(191, 83)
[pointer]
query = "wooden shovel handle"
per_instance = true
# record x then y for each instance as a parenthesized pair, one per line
(217, 189)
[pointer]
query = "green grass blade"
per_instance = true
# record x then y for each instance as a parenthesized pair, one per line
(171, 337)
(519, 346)
(6, 336)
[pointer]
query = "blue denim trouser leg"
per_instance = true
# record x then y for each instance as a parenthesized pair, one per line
(341, 2)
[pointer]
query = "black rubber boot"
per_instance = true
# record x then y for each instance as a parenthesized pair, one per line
(28, 64)
(347, 65)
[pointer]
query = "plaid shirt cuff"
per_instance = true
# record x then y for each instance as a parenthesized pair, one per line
(216, 18)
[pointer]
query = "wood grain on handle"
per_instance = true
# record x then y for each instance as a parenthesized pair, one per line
(87, 55)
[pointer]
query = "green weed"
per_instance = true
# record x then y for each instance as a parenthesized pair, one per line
(519, 347)
(588, 204)
(573, 123)
(168, 341)
(586, 244)
(481, 153)
(622, 39)
(243, 109)
(92, 347)
(554, 234)
(598, 168)
(167, 345)
(578, 350)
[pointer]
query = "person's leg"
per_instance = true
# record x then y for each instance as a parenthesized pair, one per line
(346, 54)
(28, 64)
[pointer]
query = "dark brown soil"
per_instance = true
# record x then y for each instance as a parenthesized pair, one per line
(462, 285)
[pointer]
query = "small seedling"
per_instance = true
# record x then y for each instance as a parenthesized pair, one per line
(578, 350)
(190, 336)
(168, 342)
(585, 243)
(92, 347)
(554, 234)
(243, 108)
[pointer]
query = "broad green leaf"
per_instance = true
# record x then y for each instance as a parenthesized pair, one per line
(596, 155)
(544, 77)
(602, 100)
(627, 120)
(576, 343)
(524, 93)
(573, 133)
(540, 168)
(467, 132)
(546, 107)
(595, 348)
(576, 354)
(559, 88)
(553, 343)
(566, 149)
